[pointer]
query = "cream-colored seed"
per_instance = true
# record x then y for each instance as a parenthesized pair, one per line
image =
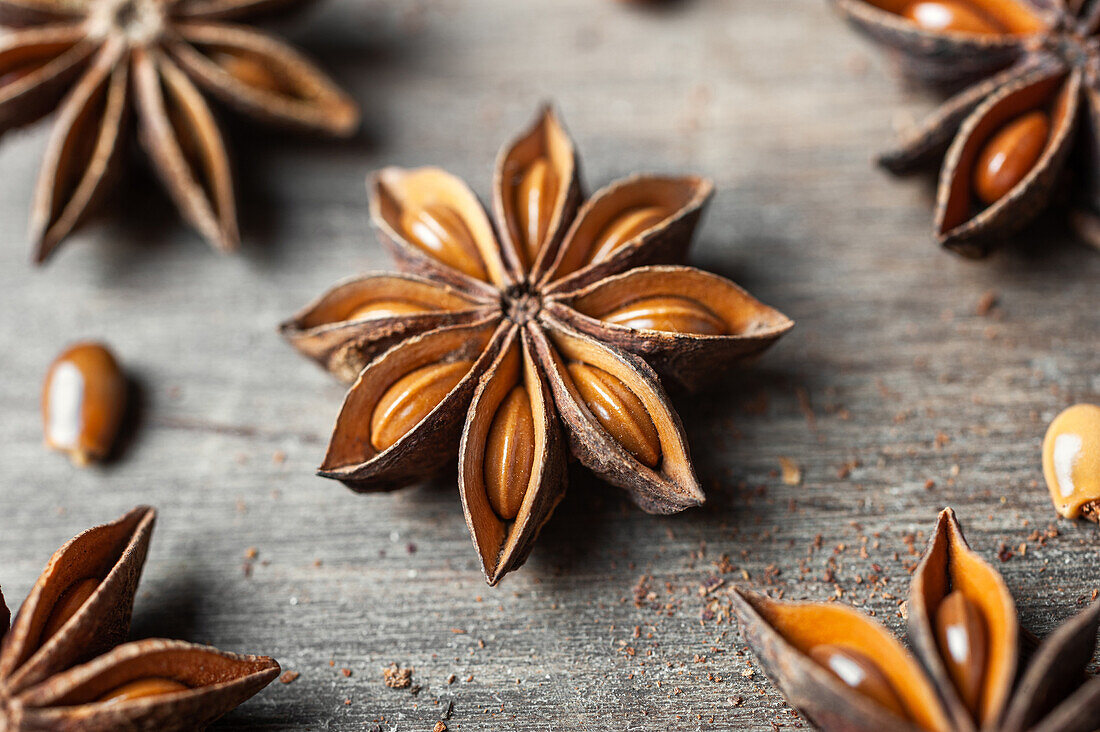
(536, 196)
(411, 398)
(440, 231)
(510, 454)
(623, 228)
(964, 646)
(860, 673)
(619, 411)
(669, 313)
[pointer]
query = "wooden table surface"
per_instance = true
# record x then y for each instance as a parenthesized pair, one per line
(894, 393)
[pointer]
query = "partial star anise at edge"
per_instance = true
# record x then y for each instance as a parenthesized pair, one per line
(499, 338)
(98, 61)
(843, 671)
(61, 665)
(1032, 123)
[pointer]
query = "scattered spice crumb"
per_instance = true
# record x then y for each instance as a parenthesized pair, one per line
(396, 677)
(288, 677)
(987, 302)
(440, 726)
(792, 474)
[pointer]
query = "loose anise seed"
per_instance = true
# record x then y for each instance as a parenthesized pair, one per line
(140, 688)
(411, 398)
(1071, 461)
(951, 15)
(440, 231)
(536, 194)
(83, 401)
(619, 411)
(67, 605)
(861, 673)
(624, 228)
(964, 646)
(248, 70)
(387, 308)
(510, 453)
(1009, 155)
(668, 313)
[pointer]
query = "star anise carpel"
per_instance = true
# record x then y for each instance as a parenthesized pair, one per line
(61, 665)
(844, 671)
(1026, 127)
(500, 341)
(102, 62)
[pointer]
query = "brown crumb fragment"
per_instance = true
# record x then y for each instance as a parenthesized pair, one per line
(396, 677)
(288, 677)
(792, 473)
(987, 302)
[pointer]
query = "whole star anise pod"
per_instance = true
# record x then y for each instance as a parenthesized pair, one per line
(97, 61)
(1006, 140)
(61, 667)
(497, 339)
(844, 671)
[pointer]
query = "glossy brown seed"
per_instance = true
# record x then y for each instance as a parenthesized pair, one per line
(248, 70)
(141, 688)
(1009, 155)
(619, 411)
(861, 673)
(535, 197)
(440, 231)
(83, 401)
(951, 15)
(387, 308)
(668, 313)
(66, 606)
(1071, 461)
(964, 646)
(623, 228)
(509, 454)
(411, 398)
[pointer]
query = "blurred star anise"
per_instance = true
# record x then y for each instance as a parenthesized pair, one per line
(61, 667)
(843, 671)
(97, 61)
(1032, 122)
(498, 338)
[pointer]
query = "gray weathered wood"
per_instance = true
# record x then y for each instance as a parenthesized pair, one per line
(783, 106)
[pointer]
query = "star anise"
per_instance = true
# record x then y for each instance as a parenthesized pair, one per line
(497, 339)
(61, 667)
(94, 60)
(1006, 140)
(843, 671)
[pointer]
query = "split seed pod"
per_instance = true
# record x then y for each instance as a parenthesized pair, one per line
(1004, 141)
(842, 670)
(61, 667)
(510, 340)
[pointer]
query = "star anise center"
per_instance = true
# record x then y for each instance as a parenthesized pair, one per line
(140, 22)
(522, 303)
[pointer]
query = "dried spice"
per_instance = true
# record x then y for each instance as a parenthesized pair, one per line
(498, 340)
(842, 670)
(83, 402)
(1071, 462)
(1006, 141)
(61, 665)
(97, 62)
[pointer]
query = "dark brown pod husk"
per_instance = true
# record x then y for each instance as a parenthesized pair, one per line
(964, 630)
(668, 488)
(523, 270)
(546, 139)
(946, 58)
(689, 360)
(428, 445)
(396, 192)
(325, 331)
(781, 635)
(970, 233)
(948, 565)
(114, 554)
(217, 682)
(95, 65)
(504, 545)
(666, 242)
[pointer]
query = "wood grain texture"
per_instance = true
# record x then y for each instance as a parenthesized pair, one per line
(890, 368)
